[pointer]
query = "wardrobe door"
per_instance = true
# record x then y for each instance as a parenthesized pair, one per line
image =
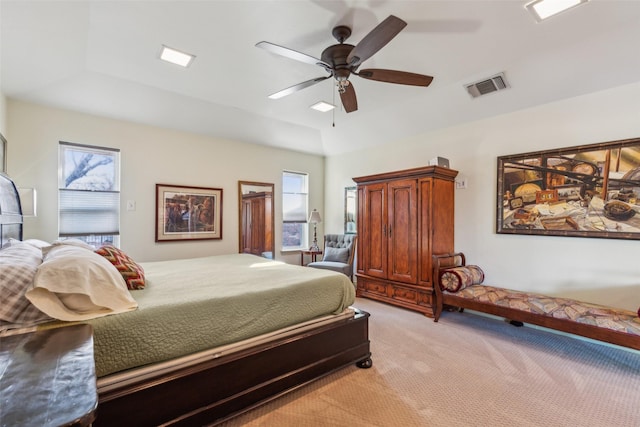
(257, 224)
(402, 231)
(246, 227)
(374, 246)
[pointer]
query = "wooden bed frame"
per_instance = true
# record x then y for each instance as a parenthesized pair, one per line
(443, 299)
(217, 389)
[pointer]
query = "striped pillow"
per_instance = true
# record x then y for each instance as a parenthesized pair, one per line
(456, 278)
(132, 273)
(18, 265)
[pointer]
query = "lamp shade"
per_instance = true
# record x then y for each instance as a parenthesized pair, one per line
(314, 218)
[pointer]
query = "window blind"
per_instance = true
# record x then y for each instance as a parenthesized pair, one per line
(85, 212)
(294, 197)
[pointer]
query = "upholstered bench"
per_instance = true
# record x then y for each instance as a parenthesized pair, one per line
(462, 288)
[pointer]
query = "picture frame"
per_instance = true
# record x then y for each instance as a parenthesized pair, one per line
(350, 210)
(516, 203)
(547, 196)
(583, 191)
(570, 192)
(186, 213)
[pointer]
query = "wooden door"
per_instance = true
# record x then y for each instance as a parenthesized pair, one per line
(246, 226)
(267, 233)
(374, 223)
(257, 226)
(402, 231)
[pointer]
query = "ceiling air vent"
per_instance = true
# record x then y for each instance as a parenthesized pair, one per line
(483, 87)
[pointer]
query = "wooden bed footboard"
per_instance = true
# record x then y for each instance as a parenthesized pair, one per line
(443, 299)
(218, 389)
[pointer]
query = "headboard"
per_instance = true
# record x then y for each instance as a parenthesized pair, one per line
(10, 211)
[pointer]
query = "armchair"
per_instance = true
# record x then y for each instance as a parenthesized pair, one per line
(339, 251)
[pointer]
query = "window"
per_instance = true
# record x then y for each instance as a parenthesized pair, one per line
(89, 193)
(295, 201)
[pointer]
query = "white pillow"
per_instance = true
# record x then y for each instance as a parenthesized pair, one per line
(74, 284)
(33, 242)
(70, 242)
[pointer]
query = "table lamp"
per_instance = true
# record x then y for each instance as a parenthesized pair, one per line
(314, 219)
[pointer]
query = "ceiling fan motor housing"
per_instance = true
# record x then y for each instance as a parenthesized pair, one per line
(336, 56)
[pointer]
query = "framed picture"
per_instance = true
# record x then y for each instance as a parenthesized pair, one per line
(570, 192)
(188, 213)
(350, 214)
(584, 191)
(546, 196)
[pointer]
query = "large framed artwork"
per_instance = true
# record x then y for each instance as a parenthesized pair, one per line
(188, 213)
(585, 191)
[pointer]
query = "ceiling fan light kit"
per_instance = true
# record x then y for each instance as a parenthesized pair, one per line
(342, 60)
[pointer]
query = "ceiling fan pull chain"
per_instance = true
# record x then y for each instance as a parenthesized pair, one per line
(333, 111)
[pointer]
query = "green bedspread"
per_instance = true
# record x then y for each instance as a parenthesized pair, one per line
(194, 304)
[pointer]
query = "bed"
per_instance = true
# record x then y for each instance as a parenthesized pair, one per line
(271, 337)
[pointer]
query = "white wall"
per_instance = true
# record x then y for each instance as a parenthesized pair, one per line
(598, 270)
(149, 156)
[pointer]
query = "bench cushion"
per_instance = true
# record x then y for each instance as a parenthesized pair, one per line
(456, 278)
(560, 308)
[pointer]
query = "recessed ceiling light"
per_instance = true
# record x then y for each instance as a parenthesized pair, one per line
(543, 9)
(323, 106)
(176, 57)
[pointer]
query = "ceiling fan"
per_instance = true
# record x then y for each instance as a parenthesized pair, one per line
(342, 60)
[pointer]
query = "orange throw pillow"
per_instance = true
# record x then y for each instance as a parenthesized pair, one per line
(132, 273)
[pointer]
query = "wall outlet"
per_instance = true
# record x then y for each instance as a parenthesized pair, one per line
(461, 183)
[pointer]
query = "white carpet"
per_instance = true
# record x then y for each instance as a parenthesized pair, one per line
(466, 370)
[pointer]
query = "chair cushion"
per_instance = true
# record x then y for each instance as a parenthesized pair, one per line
(336, 254)
(340, 267)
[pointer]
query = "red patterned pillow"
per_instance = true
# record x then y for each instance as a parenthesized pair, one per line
(132, 273)
(456, 278)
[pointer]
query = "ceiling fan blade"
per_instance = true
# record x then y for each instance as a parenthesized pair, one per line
(399, 77)
(292, 54)
(375, 40)
(349, 100)
(296, 88)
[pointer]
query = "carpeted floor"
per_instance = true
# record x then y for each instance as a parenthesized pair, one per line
(466, 370)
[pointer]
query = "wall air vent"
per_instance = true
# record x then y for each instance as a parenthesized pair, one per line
(483, 87)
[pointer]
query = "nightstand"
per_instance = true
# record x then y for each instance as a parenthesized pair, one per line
(47, 378)
(313, 254)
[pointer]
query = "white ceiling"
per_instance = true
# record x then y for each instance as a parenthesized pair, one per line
(101, 57)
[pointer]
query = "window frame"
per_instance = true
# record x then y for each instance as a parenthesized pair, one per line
(80, 203)
(302, 217)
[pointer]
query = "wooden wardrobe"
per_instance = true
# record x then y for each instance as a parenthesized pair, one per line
(403, 218)
(256, 224)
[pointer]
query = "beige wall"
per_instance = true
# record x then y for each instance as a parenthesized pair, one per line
(3, 114)
(599, 270)
(149, 156)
